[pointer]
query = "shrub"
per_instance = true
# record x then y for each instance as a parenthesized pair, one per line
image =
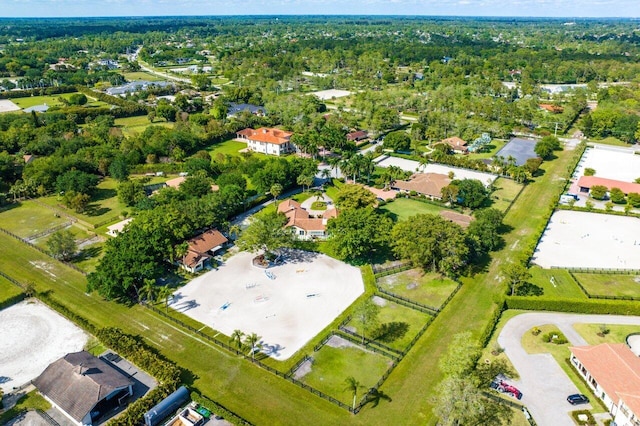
(591, 306)
(555, 337)
(590, 420)
(617, 196)
(589, 171)
(599, 192)
(218, 409)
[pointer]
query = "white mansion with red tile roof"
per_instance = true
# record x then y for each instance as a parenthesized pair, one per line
(267, 140)
(306, 227)
(613, 372)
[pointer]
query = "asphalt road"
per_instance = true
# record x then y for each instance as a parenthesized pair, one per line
(544, 385)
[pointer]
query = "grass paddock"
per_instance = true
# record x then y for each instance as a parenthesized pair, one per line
(430, 289)
(610, 284)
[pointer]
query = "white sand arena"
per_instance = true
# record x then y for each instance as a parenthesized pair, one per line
(589, 240)
(32, 336)
(325, 95)
(7, 106)
(308, 292)
(610, 163)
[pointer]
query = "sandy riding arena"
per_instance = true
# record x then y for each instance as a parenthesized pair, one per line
(287, 305)
(32, 336)
(7, 106)
(589, 240)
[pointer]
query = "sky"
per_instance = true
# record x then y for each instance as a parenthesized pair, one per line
(541, 8)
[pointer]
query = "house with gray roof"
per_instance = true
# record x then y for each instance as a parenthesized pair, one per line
(84, 387)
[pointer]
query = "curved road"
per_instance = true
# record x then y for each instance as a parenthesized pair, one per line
(544, 385)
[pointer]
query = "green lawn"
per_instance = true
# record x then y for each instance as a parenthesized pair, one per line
(79, 233)
(489, 352)
(89, 257)
(27, 218)
(136, 125)
(617, 333)
(8, 289)
(30, 401)
(610, 141)
(394, 312)
(565, 286)
(506, 191)
(404, 208)
(53, 101)
(429, 289)
(489, 151)
(142, 75)
(331, 367)
(228, 147)
(610, 284)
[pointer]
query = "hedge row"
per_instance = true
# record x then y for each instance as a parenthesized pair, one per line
(493, 322)
(40, 91)
(218, 409)
(12, 301)
(113, 100)
(166, 372)
(592, 306)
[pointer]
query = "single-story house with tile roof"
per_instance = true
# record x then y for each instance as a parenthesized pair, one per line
(304, 226)
(176, 182)
(459, 146)
(84, 387)
(586, 182)
(459, 218)
(201, 248)
(613, 372)
(358, 135)
(267, 140)
(429, 184)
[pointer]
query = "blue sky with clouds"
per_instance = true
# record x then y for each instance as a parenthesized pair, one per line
(544, 8)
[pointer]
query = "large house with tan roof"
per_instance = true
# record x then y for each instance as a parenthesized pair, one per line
(267, 140)
(586, 182)
(612, 371)
(306, 227)
(458, 145)
(201, 248)
(428, 184)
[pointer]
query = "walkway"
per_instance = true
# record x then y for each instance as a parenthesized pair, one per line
(544, 385)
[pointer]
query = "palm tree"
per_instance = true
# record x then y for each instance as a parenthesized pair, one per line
(275, 190)
(253, 341)
(353, 386)
(368, 166)
(234, 231)
(165, 293)
(236, 337)
(325, 174)
(148, 289)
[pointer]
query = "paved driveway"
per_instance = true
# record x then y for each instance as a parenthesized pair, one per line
(544, 385)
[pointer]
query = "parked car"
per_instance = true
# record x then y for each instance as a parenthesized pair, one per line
(577, 399)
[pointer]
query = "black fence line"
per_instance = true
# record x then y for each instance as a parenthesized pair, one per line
(377, 269)
(253, 360)
(369, 344)
(46, 253)
(596, 296)
(514, 200)
(417, 337)
(293, 369)
(13, 280)
(451, 296)
(614, 271)
(106, 221)
(324, 341)
(51, 230)
(408, 302)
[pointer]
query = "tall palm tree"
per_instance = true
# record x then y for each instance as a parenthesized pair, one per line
(148, 290)
(353, 386)
(234, 231)
(253, 341)
(275, 190)
(236, 337)
(165, 293)
(368, 166)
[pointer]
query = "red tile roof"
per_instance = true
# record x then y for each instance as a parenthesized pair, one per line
(207, 241)
(456, 143)
(266, 135)
(175, 182)
(459, 218)
(430, 184)
(615, 368)
(626, 187)
(357, 135)
(299, 217)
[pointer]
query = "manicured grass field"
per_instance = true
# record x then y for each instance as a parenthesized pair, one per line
(565, 286)
(27, 218)
(331, 367)
(8, 289)
(79, 233)
(610, 284)
(617, 333)
(229, 147)
(506, 191)
(89, 257)
(610, 141)
(490, 150)
(404, 208)
(136, 125)
(393, 312)
(141, 75)
(53, 101)
(429, 289)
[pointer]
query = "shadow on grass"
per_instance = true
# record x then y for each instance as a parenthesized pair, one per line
(528, 289)
(88, 253)
(375, 396)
